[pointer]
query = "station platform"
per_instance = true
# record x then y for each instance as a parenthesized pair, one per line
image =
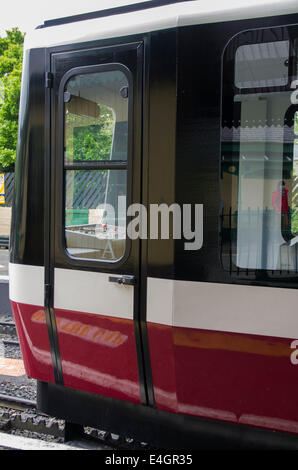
(11, 367)
(12, 442)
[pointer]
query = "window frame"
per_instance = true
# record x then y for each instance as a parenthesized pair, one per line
(250, 37)
(94, 165)
(263, 89)
(228, 89)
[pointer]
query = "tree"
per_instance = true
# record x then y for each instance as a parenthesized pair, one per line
(11, 56)
(90, 138)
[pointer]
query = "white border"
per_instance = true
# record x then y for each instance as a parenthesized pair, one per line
(79, 291)
(165, 17)
(91, 292)
(267, 311)
(26, 284)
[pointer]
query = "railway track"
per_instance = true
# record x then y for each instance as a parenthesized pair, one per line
(19, 417)
(7, 327)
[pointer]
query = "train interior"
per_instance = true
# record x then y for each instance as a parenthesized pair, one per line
(260, 162)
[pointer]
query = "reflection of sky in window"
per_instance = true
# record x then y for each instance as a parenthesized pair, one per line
(94, 85)
(262, 65)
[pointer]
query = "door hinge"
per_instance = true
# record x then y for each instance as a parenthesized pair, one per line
(49, 78)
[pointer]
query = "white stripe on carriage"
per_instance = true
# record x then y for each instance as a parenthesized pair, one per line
(254, 310)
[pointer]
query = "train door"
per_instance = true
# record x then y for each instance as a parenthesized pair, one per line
(92, 266)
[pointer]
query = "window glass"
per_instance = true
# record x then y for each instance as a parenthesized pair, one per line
(259, 160)
(294, 199)
(96, 114)
(262, 65)
(95, 165)
(95, 213)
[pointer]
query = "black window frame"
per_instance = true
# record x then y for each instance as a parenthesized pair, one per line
(228, 91)
(254, 36)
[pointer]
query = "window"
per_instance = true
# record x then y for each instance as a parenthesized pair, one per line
(96, 113)
(262, 65)
(259, 152)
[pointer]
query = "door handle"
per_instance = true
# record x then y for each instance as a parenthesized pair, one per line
(124, 280)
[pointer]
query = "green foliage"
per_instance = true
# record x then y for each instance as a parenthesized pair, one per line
(11, 56)
(90, 138)
(296, 123)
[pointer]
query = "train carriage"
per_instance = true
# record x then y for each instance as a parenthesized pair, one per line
(176, 113)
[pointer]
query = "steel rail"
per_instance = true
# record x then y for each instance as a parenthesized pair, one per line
(6, 400)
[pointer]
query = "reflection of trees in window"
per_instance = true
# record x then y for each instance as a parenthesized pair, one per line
(90, 138)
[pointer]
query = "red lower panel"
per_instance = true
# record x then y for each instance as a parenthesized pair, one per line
(34, 341)
(162, 353)
(98, 354)
(228, 376)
